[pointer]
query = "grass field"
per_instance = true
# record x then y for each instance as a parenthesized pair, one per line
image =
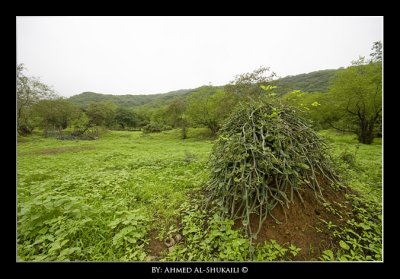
(363, 168)
(111, 199)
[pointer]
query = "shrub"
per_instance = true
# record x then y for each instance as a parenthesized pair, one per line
(152, 128)
(349, 157)
(265, 155)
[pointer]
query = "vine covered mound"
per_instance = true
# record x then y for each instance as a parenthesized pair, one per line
(265, 156)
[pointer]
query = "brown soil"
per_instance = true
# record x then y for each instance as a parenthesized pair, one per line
(299, 225)
(155, 247)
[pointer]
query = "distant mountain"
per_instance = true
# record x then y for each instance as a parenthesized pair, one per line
(317, 81)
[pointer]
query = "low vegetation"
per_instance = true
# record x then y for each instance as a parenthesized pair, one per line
(127, 192)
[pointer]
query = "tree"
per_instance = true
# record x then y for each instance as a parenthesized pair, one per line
(56, 114)
(248, 85)
(309, 106)
(101, 113)
(209, 107)
(29, 91)
(126, 118)
(356, 95)
(157, 115)
(144, 115)
(174, 112)
(175, 115)
(95, 114)
(376, 54)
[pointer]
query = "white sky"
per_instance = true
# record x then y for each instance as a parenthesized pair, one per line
(145, 55)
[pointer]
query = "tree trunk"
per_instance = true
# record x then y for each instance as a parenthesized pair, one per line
(366, 132)
(214, 128)
(24, 130)
(60, 132)
(184, 132)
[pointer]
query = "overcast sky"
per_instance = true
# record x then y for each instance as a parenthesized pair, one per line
(145, 55)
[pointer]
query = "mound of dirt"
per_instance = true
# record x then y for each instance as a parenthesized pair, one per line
(300, 221)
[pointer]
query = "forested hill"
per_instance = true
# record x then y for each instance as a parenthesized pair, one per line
(127, 101)
(311, 82)
(317, 81)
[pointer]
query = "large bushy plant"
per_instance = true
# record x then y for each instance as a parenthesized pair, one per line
(266, 154)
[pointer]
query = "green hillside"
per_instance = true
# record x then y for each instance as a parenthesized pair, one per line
(317, 81)
(128, 101)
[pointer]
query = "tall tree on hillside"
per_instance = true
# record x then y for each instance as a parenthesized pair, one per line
(29, 91)
(356, 97)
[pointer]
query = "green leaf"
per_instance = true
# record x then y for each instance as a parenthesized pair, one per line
(344, 245)
(43, 230)
(55, 246)
(267, 87)
(365, 226)
(304, 166)
(114, 223)
(329, 254)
